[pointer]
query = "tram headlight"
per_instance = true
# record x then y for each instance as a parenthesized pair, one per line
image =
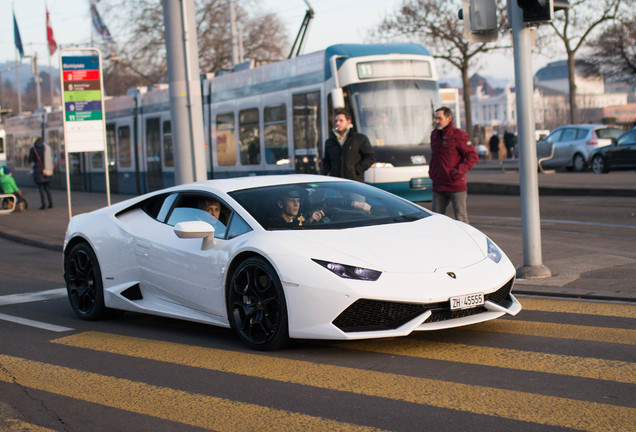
(382, 165)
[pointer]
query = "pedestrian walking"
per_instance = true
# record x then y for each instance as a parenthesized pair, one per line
(493, 144)
(510, 141)
(40, 157)
(348, 154)
(453, 155)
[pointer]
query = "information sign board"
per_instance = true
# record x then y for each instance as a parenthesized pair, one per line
(83, 107)
(83, 101)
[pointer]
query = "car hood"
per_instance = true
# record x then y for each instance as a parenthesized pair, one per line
(420, 246)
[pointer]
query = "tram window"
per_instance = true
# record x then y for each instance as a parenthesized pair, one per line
(249, 138)
(97, 160)
(1, 145)
(168, 152)
(307, 141)
(125, 159)
(276, 151)
(225, 140)
(111, 144)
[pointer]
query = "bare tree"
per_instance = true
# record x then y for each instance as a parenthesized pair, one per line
(141, 52)
(574, 26)
(614, 50)
(436, 24)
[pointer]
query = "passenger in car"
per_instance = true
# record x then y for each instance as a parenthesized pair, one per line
(213, 207)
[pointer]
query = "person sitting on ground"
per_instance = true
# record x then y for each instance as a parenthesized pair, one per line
(8, 184)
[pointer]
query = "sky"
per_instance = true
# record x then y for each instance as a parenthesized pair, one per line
(335, 21)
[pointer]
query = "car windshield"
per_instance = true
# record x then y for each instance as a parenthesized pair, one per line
(325, 205)
(396, 112)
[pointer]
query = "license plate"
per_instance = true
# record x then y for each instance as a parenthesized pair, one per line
(467, 301)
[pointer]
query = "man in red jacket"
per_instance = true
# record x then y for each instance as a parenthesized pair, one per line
(453, 155)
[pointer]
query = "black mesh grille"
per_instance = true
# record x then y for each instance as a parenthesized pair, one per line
(370, 315)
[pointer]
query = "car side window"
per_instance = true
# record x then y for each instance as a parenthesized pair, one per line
(569, 134)
(200, 207)
(581, 134)
(555, 136)
(237, 227)
(628, 138)
(166, 206)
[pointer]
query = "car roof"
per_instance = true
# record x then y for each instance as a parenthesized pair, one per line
(249, 182)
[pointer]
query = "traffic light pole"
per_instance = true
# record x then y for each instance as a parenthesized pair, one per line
(528, 181)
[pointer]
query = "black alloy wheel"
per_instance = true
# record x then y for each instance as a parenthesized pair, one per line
(256, 305)
(84, 283)
(598, 164)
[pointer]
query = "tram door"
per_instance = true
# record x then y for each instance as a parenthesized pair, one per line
(307, 140)
(111, 150)
(153, 155)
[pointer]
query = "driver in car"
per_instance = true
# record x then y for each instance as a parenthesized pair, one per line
(289, 207)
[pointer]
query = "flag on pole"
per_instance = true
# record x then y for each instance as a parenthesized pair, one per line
(49, 35)
(99, 25)
(17, 38)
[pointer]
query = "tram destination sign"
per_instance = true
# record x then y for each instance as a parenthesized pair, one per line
(83, 101)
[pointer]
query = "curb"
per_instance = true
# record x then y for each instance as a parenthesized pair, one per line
(482, 188)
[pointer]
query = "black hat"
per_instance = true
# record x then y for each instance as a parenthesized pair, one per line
(7, 170)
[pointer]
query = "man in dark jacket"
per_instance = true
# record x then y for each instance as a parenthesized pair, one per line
(453, 155)
(348, 154)
(37, 158)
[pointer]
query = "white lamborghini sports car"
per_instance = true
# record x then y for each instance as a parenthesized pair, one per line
(280, 257)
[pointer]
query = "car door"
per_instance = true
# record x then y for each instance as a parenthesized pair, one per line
(544, 147)
(624, 153)
(564, 147)
(182, 271)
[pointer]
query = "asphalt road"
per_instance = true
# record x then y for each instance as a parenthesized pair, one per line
(558, 365)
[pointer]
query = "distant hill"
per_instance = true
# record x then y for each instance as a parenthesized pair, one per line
(8, 72)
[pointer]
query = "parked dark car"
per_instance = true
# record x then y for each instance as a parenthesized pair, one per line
(573, 145)
(621, 154)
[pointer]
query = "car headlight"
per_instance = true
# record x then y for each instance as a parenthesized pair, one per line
(493, 251)
(350, 272)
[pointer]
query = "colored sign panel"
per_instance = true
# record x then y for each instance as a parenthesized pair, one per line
(90, 95)
(83, 103)
(83, 115)
(81, 85)
(81, 75)
(83, 106)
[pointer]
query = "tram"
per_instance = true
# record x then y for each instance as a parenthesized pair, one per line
(3, 148)
(269, 119)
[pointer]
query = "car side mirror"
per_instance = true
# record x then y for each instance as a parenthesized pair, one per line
(196, 229)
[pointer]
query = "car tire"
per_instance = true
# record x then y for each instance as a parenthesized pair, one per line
(598, 165)
(256, 305)
(84, 285)
(578, 163)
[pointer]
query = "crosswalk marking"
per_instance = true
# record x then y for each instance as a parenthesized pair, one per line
(536, 408)
(578, 307)
(608, 370)
(33, 323)
(563, 331)
(161, 402)
(32, 296)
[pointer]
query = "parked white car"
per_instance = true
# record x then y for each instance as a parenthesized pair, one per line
(573, 145)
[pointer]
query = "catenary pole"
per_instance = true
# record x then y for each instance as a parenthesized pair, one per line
(185, 91)
(528, 181)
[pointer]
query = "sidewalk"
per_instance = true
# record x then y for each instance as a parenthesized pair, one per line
(47, 228)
